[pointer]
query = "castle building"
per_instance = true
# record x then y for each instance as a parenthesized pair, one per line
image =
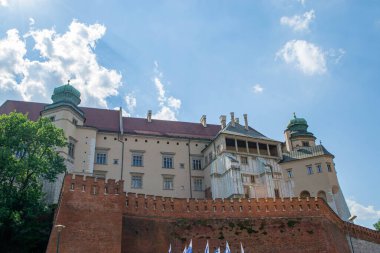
(184, 159)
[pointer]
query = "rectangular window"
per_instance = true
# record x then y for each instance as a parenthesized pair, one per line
(242, 146)
(52, 118)
(252, 147)
(136, 182)
(115, 161)
(198, 184)
(319, 168)
(206, 160)
(277, 193)
(329, 168)
(181, 165)
(290, 173)
(263, 149)
(197, 164)
(230, 144)
(210, 156)
(273, 150)
(168, 183)
(75, 122)
(167, 162)
(252, 179)
(309, 170)
(101, 158)
(137, 160)
(244, 160)
(305, 143)
(71, 149)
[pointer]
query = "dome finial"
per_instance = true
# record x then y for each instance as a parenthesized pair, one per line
(68, 82)
(294, 115)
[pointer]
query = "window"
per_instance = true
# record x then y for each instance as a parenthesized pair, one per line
(273, 150)
(263, 149)
(168, 183)
(329, 167)
(198, 184)
(305, 143)
(277, 193)
(210, 156)
(71, 149)
(167, 162)
(52, 118)
(115, 161)
(75, 122)
(206, 160)
(290, 173)
(242, 146)
(137, 160)
(248, 179)
(101, 158)
(197, 164)
(252, 147)
(319, 168)
(136, 182)
(244, 160)
(309, 170)
(230, 144)
(182, 165)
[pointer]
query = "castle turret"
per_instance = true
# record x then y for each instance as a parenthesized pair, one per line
(297, 135)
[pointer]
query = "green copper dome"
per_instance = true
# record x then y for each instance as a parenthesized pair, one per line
(66, 93)
(298, 127)
(66, 96)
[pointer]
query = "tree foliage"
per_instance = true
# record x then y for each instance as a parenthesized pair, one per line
(377, 225)
(28, 155)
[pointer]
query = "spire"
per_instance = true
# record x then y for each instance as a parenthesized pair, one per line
(294, 115)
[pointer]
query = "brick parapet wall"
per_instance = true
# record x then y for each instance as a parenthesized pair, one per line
(92, 211)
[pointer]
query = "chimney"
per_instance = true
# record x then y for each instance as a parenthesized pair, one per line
(237, 120)
(222, 119)
(121, 120)
(149, 116)
(232, 119)
(203, 121)
(245, 121)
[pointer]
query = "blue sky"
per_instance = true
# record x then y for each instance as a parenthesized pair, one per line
(183, 59)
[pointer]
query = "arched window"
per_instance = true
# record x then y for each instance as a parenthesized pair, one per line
(305, 194)
(322, 194)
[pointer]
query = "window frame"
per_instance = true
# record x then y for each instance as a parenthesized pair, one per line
(134, 179)
(168, 179)
(197, 163)
(139, 162)
(98, 160)
(196, 186)
(309, 170)
(165, 162)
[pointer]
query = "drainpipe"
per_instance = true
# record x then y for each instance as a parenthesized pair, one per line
(191, 187)
(120, 139)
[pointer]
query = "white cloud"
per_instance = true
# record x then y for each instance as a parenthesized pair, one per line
(257, 88)
(4, 3)
(363, 212)
(62, 57)
(169, 106)
(299, 23)
(31, 21)
(307, 57)
(131, 101)
(302, 1)
(336, 55)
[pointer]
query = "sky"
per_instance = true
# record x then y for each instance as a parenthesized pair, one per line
(185, 59)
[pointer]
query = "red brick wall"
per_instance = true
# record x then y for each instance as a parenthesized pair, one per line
(99, 217)
(92, 218)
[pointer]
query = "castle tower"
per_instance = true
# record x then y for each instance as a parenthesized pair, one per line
(296, 134)
(310, 169)
(65, 114)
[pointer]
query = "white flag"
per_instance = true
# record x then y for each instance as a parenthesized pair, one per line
(185, 250)
(227, 248)
(241, 248)
(170, 249)
(207, 250)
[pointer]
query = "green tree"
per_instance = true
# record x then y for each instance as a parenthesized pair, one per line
(28, 155)
(377, 225)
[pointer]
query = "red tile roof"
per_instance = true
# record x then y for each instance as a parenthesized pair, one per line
(108, 120)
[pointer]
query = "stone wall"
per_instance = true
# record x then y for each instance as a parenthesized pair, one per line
(99, 217)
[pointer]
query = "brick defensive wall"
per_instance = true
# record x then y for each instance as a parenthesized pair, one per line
(100, 217)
